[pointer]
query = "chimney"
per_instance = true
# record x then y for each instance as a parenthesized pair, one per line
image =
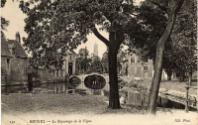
(18, 38)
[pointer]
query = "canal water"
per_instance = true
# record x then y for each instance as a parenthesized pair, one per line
(128, 96)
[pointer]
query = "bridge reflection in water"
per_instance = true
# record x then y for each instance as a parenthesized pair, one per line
(134, 96)
(89, 90)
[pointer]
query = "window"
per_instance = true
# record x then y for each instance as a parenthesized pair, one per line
(8, 63)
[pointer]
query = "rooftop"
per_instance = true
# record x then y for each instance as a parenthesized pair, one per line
(17, 49)
(4, 48)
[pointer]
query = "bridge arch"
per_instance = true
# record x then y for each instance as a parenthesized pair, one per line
(95, 81)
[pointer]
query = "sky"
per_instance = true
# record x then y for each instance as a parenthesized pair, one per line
(16, 18)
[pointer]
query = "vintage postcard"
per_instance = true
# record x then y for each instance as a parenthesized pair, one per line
(92, 62)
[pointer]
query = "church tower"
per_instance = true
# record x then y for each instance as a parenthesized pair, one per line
(95, 51)
(18, 37)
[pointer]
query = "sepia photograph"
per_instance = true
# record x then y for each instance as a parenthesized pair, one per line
(92, 62)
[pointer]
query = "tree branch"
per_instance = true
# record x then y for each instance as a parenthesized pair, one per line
(179, 5)
(99, 36)
(160, 6)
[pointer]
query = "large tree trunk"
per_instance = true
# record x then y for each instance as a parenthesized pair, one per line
(114, 102)
(154, 89)
(115, 39)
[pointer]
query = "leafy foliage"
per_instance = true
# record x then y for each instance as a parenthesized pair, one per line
(58, 25)
(3, 3)
(96, 65)
(83, 62)
(185, 40)
(179, 54)
(121, 59)
(104, 62)
(4, 22)
(146, 32)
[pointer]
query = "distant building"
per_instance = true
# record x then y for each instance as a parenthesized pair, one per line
(68, 68)
(15, 67)
(136, 68)
(5, 61)
(95, 51)
(19, 62)
(14, 62)
(55, 79)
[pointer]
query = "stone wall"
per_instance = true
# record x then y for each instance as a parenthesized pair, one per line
(49, 75)
(18, 69)
(14, 74)
(4, 70)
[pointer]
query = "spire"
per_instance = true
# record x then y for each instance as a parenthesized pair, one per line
(18, 38)
(95, 53)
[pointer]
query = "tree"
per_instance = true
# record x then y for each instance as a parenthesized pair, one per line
(4, 22)
(148, 32)
(96, 65)
(3, 3)
(83, 64)
(83, 52)
(121, 60)
(151, 12)
(104, 62)
(180, 57)
(175, 6)
(185, 33)
(83, 61)
(154, 36)
(168, 65)
(58, 25)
